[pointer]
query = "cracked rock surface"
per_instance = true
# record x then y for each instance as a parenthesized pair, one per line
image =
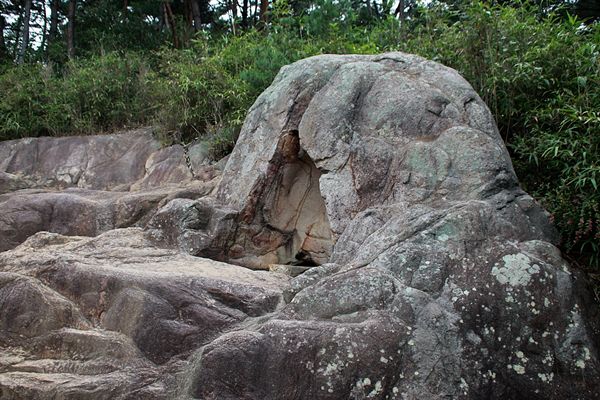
(405, 263)
(90, 184)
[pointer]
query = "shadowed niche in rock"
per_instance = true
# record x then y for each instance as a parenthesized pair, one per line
(285, 221)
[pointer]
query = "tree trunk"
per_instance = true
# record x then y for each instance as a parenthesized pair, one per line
(45, 27)
(161, 17)
(234, 8)
(400, 10)
(25, 32)
(15, 46)
(188, 13)
(233, 15)
(245, 14)
(171, 23)
(196, 15)
(53, 31)
(264, 8)
(71, 29)
(3, 50)
(188, 22)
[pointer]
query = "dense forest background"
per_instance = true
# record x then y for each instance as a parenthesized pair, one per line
(192, 68)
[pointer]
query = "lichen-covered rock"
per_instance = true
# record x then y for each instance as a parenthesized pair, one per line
(422, 270)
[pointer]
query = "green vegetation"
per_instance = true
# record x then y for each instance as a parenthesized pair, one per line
(538, 70)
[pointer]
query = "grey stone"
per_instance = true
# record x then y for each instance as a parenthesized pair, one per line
(104, 317)
(92, 162)
(88, 185)
(436, 253)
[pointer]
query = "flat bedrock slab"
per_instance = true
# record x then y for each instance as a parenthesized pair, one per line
(109, 317)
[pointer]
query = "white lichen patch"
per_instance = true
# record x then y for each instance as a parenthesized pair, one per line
(521, 357)
(443, 237)
(546, 378)
(519, 369)
(376, 390)
(362, 384)
(549, 359)
(464, 386)
(331, 369)
(519, 354)
(586, 356)
(532, 341)
(517, 270)
(546, 302)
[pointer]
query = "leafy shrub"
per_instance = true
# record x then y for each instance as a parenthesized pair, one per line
(91, 95)
(28, 106)
(106, 92)
(561, 155)
(195, 93)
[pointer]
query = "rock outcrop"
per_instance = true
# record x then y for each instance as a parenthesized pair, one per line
(113, 317)
(421, 269)
(91, 184)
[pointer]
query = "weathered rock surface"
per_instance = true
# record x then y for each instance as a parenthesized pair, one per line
(114, 317)
(421, 269)
(91, 184)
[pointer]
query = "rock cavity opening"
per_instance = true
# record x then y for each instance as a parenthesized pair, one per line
(287, 222)
(295, 207)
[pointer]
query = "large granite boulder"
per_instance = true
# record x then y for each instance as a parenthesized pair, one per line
(437, 274)
(427, 271)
